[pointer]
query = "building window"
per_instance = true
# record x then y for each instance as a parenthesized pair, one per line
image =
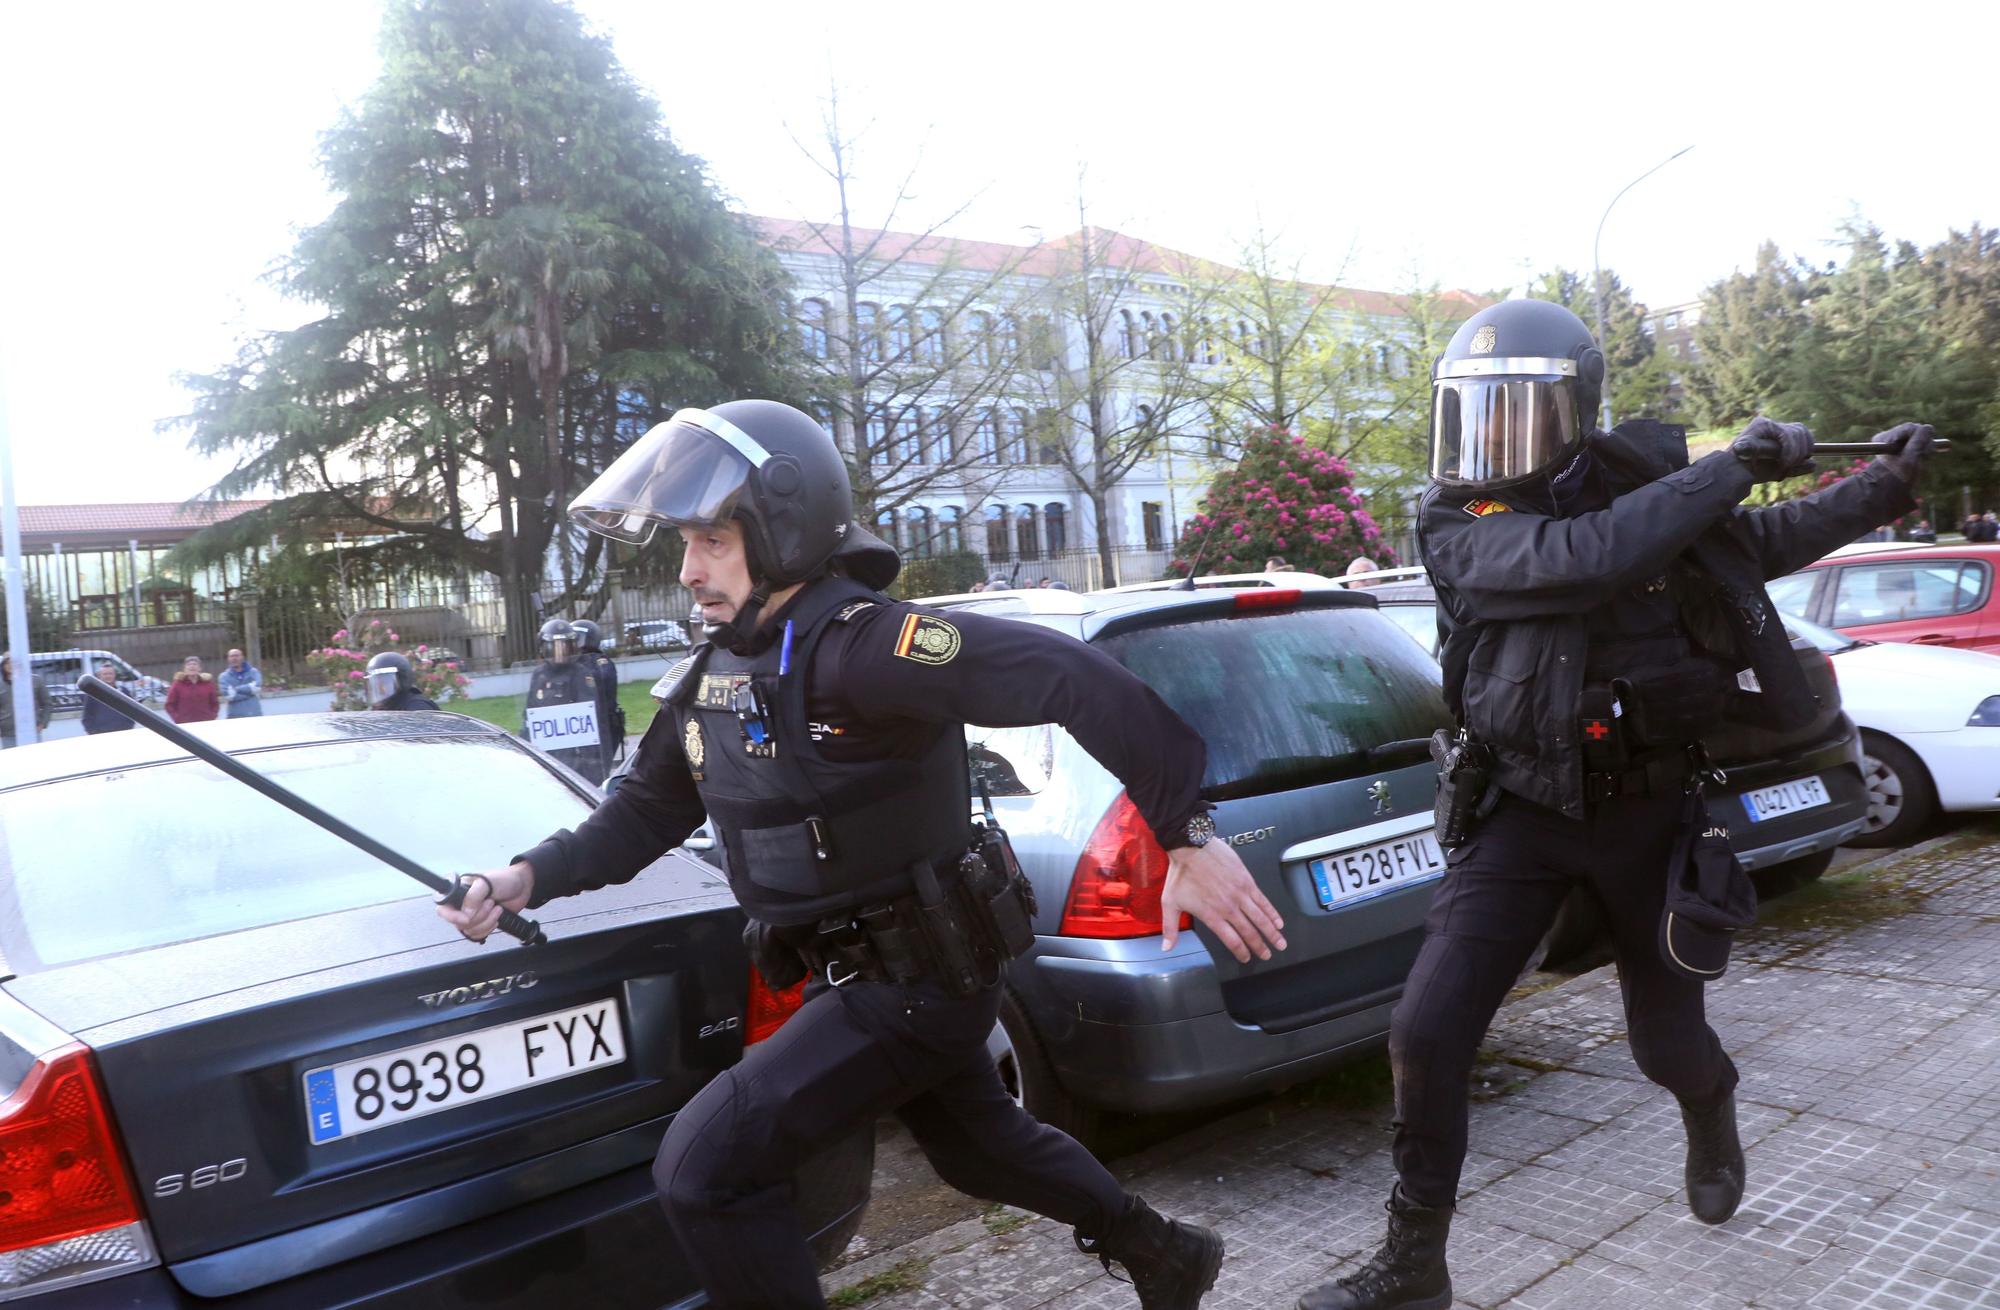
(1170, 344)
(875, 433)
(950, 532)
(1048, 437)
(1014, 448)
(1042, 336)
(868, 332)
(1152, 515)
(899, 333)
(921, 543)
(930, 336)
(980, 325)
(822, 414)
(1025, 538)
(1673, 321)
(997, 542)
(812, 328)
(1128, 335)
(1055, 527)
(1010, 338)
(907, 435)
(986, 438)
(886, 528)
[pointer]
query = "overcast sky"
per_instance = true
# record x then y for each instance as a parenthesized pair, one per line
(160, 157)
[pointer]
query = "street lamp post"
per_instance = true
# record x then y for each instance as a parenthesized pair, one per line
(1597, 274)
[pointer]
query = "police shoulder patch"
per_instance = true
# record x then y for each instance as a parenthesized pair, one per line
(927, 639)
(1479, 509)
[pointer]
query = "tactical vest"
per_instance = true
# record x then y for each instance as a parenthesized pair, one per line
(570, 684)
(805, 838)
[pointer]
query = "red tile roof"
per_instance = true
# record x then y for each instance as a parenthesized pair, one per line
(1047, 259)
(150, 521)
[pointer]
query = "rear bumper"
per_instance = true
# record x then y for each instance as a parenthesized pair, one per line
(1759, 845)
(603, 1244)
(1145, 1032)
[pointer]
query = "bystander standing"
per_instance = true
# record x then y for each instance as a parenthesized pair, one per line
(241, 687)
(99, 717)
(192, 698)
(7, 734)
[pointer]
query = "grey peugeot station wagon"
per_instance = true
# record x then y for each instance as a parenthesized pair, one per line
(1317, 711)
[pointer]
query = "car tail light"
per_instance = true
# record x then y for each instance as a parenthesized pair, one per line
(769, 1009)
(1268, 598)
(68, 1211)
(1832, 673)
(1115, 891)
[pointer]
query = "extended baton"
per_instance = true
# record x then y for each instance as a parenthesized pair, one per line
(452, 892)
(1866, 448)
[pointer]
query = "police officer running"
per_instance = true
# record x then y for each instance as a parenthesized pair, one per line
(610, 714)
(392, 684)
(563, 680)
(1601, 607)
(821, 732)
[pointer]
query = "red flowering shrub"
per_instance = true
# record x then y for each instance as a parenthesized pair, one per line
(343, 664)
(1286, 498)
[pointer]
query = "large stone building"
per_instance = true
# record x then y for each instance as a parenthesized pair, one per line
(961, 377)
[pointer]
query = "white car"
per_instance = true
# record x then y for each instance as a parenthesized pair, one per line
(1930, 728)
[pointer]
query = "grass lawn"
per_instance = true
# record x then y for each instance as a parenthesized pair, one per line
(506, 710)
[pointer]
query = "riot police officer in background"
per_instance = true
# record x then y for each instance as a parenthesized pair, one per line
(1601, 606)
(821, 731)
(610, 714)
(392, 683)
(562, 679)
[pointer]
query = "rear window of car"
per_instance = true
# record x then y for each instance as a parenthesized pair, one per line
(1888, 592)
(1291, 699)
(123, 861)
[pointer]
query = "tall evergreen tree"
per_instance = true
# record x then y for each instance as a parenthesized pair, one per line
(1750, 325)
(522, 272)
(1635, 373)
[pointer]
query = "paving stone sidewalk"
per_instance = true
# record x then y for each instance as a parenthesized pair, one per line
(1864, 1017)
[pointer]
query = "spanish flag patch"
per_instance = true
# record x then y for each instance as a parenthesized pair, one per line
(1479, 509)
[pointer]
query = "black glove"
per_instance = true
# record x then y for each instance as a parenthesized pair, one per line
(1905, 447)
(1774, 450)
(777, 963)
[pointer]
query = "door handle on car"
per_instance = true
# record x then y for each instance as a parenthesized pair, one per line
(1931, 639)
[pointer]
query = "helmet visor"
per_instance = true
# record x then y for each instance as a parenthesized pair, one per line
(381, 685)
(1489, 430)
(691, 470)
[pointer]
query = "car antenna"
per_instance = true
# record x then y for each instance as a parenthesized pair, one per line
(1194, 565)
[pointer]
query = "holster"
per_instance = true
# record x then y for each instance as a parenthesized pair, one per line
(1465, 774)
(1001, 898)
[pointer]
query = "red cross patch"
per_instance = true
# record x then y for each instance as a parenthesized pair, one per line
(1596, 729)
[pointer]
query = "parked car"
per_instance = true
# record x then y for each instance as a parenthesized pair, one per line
(60, 669)
(653, 635)
(1929, 595)
(1930, 729)
(1790, 798)
(247, 1066)
(1317, 714)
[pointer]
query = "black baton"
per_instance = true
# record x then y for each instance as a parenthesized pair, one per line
(452, 892)
(1867, 448)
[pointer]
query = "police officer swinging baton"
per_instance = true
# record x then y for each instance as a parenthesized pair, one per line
(453, 893)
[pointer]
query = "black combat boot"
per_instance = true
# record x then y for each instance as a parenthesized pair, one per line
(1715, 1168)
(1172, 1264)
(1406, 1273)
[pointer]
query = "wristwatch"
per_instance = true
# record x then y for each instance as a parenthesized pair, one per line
(1201, 829)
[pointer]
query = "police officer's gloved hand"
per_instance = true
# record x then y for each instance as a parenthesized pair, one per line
(1905, 447)
(1774, 450)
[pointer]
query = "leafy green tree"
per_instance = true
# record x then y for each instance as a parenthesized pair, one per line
(1750, 326)
(1282, 497)
(521, 274)
(1635, 373)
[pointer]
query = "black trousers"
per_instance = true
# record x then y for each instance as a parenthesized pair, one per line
(1498, 897)
(851, 1053)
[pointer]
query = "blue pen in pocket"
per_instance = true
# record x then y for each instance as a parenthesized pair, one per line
(785, 651)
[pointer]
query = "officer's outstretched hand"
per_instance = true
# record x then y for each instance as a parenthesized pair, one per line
(1211, 883)
(487, 895)
(1774, 450)
(1905, 447)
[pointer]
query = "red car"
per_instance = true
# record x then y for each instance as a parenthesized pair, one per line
(1928, 595)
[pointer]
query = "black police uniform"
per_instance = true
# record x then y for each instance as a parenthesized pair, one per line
(1629, 564)
(857, 791)
(406, 698)
(568, 682)
(610, 714)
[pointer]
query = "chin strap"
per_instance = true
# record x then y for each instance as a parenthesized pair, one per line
(736, 631)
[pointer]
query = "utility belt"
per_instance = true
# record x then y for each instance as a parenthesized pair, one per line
(960, 936)
(1621, 721)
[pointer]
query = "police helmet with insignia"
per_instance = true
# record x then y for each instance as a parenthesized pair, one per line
(764, 465)
(1512, 395)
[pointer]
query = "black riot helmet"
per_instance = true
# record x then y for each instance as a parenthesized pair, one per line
(1512, 395)
(765, 465)
(389, 674)
(558, 639)
(589, 637)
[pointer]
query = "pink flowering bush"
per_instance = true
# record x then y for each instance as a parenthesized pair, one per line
(1286, 498)
(343, 664)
